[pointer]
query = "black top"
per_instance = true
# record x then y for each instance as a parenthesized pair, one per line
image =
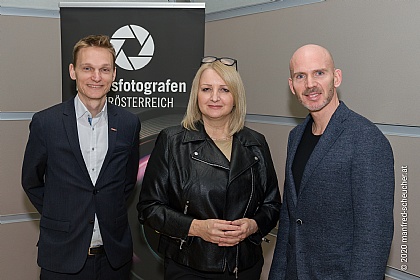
(303, 152)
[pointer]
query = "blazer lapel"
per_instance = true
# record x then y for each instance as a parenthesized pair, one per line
(113, 121)
(332, 132)
(294, 143)
(70, 125)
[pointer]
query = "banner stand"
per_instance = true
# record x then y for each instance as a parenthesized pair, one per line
(159, 48)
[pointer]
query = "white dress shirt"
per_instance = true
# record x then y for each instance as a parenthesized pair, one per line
(93, 141)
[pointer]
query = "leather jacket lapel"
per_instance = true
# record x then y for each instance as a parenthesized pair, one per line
(208, 153)
(242, 159)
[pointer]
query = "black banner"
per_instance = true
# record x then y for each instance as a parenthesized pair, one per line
(159, 47)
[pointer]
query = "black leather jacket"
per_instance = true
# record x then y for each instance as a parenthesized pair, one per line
(188, 177)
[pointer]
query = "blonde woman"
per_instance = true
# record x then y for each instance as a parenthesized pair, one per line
(210, 187)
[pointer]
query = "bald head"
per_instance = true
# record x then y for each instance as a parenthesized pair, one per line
(314, 79)
(308, 54)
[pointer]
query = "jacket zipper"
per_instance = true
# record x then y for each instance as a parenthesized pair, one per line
(212, 164)
(182, 241)
(185, 212)
(173, 237)
(236, 270)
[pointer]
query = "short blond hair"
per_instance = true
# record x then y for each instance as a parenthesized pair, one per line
(100, 41)
(234, 82)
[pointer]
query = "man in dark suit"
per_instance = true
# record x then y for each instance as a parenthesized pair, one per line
(79, 168)
(336, 220)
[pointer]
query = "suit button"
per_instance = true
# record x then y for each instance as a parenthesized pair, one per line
(299, 221)
(95, 191)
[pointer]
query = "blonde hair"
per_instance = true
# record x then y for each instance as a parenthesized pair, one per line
(101, 41)
(236, 87)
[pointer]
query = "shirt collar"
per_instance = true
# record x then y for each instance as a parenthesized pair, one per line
(81, 109)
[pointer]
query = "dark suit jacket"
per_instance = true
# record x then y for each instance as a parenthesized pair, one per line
(56, 180)
(340, 226)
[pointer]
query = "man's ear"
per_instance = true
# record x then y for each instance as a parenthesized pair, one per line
(72, 72)
(291, 86)
(338, 77)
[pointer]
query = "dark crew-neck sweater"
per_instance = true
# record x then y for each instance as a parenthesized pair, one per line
(306, 146)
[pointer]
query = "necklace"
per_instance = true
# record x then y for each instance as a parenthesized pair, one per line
(221, 139)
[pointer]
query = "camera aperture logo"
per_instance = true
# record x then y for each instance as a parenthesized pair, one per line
(140, 37)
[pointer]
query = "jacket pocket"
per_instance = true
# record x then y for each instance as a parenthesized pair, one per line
(121, 149)
(54, 224)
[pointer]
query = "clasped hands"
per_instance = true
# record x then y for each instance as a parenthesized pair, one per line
(222, 232)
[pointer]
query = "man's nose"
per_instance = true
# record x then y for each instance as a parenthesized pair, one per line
(310, 82)
(96, 76)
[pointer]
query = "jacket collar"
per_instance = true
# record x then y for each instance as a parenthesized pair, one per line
(334, 129)
(70, 124)
(242, 157)
(245, 137)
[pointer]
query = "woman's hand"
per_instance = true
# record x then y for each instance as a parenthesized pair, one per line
(246, 228)
(212, 230)
(221, 232)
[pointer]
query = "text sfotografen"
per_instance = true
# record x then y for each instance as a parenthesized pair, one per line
(146, 88)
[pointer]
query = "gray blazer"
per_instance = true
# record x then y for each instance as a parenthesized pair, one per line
(340, 226)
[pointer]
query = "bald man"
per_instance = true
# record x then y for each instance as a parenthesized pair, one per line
(336, 219)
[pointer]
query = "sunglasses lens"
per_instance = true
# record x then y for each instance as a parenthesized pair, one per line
(228, 61)
(208, 59)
